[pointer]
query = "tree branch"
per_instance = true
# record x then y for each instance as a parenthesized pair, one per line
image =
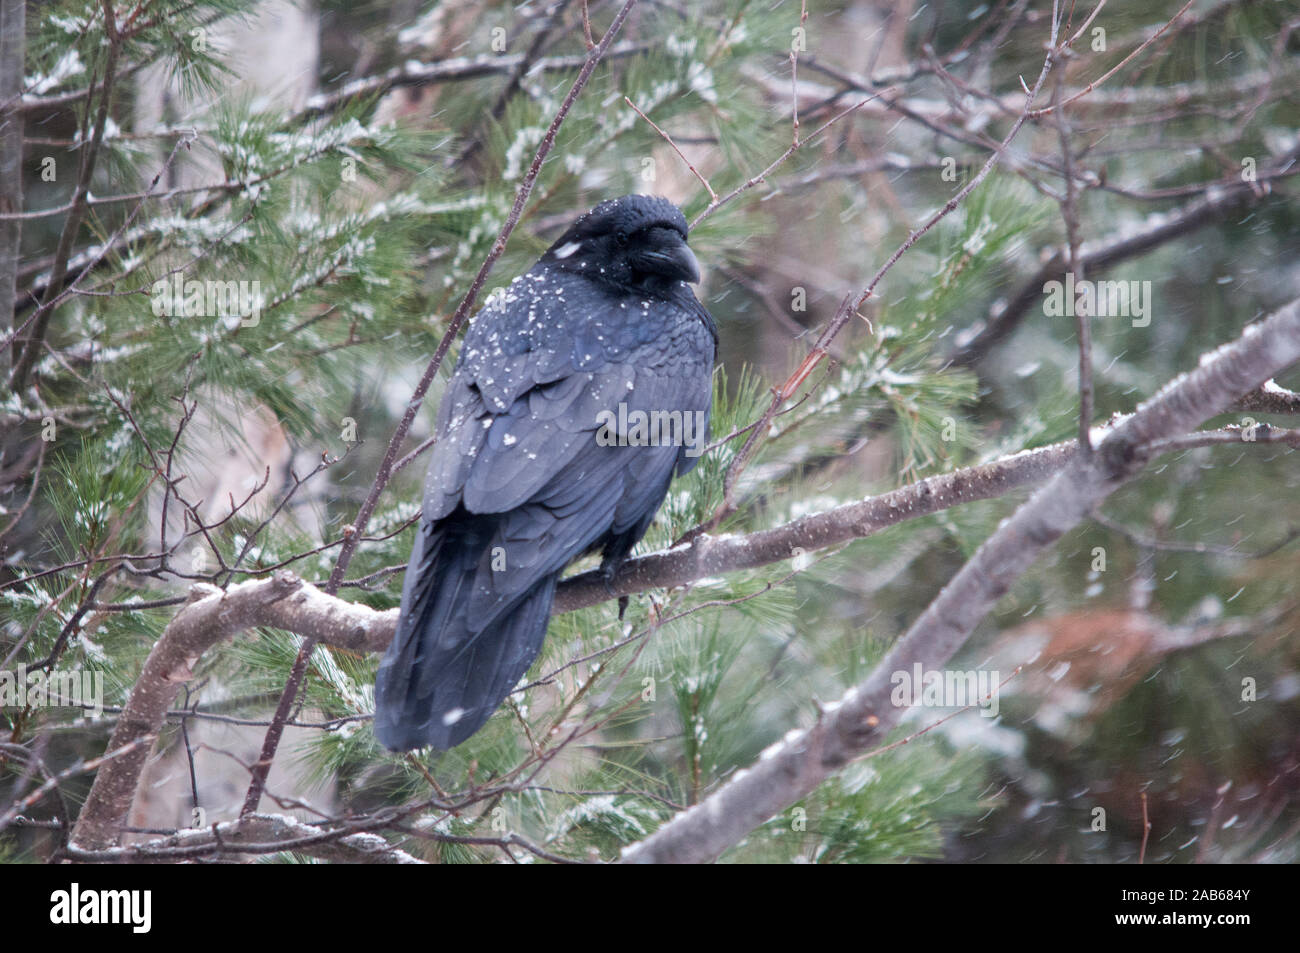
(13, 35)
(1006, 316)
(286, 602)
(860, 720)
(26, 352)
(452, 70)
(253, 834)
(283, 601)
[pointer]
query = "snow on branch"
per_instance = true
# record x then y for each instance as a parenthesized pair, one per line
(254, 834)
(457, 69)
(286, 602)
(864, 715)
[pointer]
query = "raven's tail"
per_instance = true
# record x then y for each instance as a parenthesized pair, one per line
(449, 668)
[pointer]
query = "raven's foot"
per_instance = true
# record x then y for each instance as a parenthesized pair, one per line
(609, 568)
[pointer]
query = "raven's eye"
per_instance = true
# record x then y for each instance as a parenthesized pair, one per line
(621, 237)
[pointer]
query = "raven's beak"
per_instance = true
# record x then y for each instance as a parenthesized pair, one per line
(674, 260)
(688, 268)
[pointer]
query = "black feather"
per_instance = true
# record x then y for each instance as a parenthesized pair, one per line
(519, 484)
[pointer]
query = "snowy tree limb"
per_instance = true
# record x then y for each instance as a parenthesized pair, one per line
(1269, 398)
(863, 716)
(283, 601)
(409, 73)
(254, 834)
(710, 555)
(286, 602)
(415, 73)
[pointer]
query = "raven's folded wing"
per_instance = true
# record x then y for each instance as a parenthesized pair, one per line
(519, 486)
(525, 403)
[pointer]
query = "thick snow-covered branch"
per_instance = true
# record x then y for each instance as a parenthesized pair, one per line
(860, 720)
(284, 602)
(254, 834)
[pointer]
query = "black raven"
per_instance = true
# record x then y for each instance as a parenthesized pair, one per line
(580, 391)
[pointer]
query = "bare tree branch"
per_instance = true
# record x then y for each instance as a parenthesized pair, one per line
(1006, 315)
(707, 555)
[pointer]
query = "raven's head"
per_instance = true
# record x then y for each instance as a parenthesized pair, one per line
(637, 242)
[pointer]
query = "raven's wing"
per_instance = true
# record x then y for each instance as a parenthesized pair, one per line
(538, 367)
